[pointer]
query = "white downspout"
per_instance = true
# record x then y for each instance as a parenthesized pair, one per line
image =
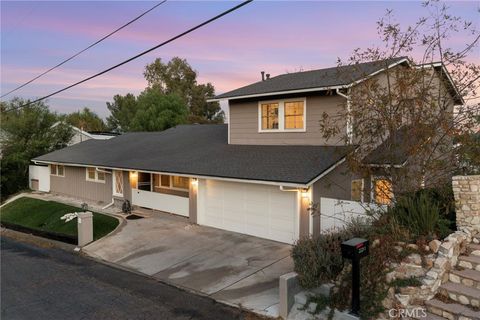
(349, 116)
(109, 205)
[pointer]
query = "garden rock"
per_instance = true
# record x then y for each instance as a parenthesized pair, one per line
(434, 245)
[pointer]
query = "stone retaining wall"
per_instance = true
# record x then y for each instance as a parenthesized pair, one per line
(431, 269)
(466, 190)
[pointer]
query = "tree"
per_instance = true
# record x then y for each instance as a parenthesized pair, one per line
(157, 111)
(409, 109)
(122, 109)
(467, 147)
(178, 77)
(26, 133)
(86, 120)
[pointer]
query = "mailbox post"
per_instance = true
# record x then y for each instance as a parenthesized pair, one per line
(355, 249)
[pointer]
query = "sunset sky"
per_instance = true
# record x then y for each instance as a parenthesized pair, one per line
(274, 36)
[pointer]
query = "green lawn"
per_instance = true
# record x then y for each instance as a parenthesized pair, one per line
(45, 216)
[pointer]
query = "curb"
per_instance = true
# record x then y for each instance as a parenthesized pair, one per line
(36, 240)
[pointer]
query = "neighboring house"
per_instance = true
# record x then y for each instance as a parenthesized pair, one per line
(257, 175)
(80, 135)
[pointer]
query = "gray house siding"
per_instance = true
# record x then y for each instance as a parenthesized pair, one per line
(75, 184)
(244, 123)
(336, 184)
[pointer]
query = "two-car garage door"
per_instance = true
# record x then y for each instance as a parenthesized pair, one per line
(258, 210)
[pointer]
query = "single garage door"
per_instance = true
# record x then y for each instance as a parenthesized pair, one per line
(257, 210)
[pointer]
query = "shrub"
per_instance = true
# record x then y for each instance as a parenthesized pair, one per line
(420, 214)
(319, 260)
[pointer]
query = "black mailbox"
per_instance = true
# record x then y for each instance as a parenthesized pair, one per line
(355, 248)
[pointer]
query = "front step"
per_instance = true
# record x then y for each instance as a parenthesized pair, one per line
(468, 277)
(452, 311)
(474, 248)
(426, 316)
(431, 316)
(461, 293)
(469, 262)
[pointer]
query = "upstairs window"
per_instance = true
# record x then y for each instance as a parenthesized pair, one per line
(57, 170)
(294, 115)
(270, 116)
(282, 116)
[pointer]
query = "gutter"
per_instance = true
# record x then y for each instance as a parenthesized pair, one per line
(103, 171)
(265, 182)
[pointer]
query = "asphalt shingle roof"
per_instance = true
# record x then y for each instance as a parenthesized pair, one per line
(201, 150)
(336, 76)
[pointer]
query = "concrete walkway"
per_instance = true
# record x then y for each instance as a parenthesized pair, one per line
(229, 267)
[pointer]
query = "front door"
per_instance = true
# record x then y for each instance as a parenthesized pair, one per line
(118, 183)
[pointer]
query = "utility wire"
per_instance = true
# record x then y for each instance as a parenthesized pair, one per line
(140, 54)
(82, 51)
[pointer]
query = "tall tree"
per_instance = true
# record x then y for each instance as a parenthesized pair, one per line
(86, 120)
(26, 133)
(157, 111)
(122, 110)
(178, 77)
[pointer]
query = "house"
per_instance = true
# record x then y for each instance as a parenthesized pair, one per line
(39, 175)
(256, 175)
(80, 135)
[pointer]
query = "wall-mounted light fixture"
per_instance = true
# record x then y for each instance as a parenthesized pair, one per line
(305, 193)
(133, 177)
(194, 182)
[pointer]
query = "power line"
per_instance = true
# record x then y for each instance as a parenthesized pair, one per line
(83, 50)
(139, 55)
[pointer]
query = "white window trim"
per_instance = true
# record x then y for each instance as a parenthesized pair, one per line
(362, 192)
(56, 170)
(96, 176)
(171, 187)
(281, 115)
(114, 183)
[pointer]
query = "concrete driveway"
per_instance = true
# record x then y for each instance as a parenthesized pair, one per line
(229, 267)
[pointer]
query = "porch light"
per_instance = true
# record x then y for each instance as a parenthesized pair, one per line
(305, 193)
(194, 182)
(133, 177)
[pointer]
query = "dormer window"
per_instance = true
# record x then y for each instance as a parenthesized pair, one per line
(282, 115)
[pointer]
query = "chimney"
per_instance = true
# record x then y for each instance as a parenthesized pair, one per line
(263, 75)
(268, 76)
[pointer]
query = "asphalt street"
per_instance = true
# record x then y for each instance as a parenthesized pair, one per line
(49, 283)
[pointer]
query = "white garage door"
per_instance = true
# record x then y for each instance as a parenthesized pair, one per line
(257, 210)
